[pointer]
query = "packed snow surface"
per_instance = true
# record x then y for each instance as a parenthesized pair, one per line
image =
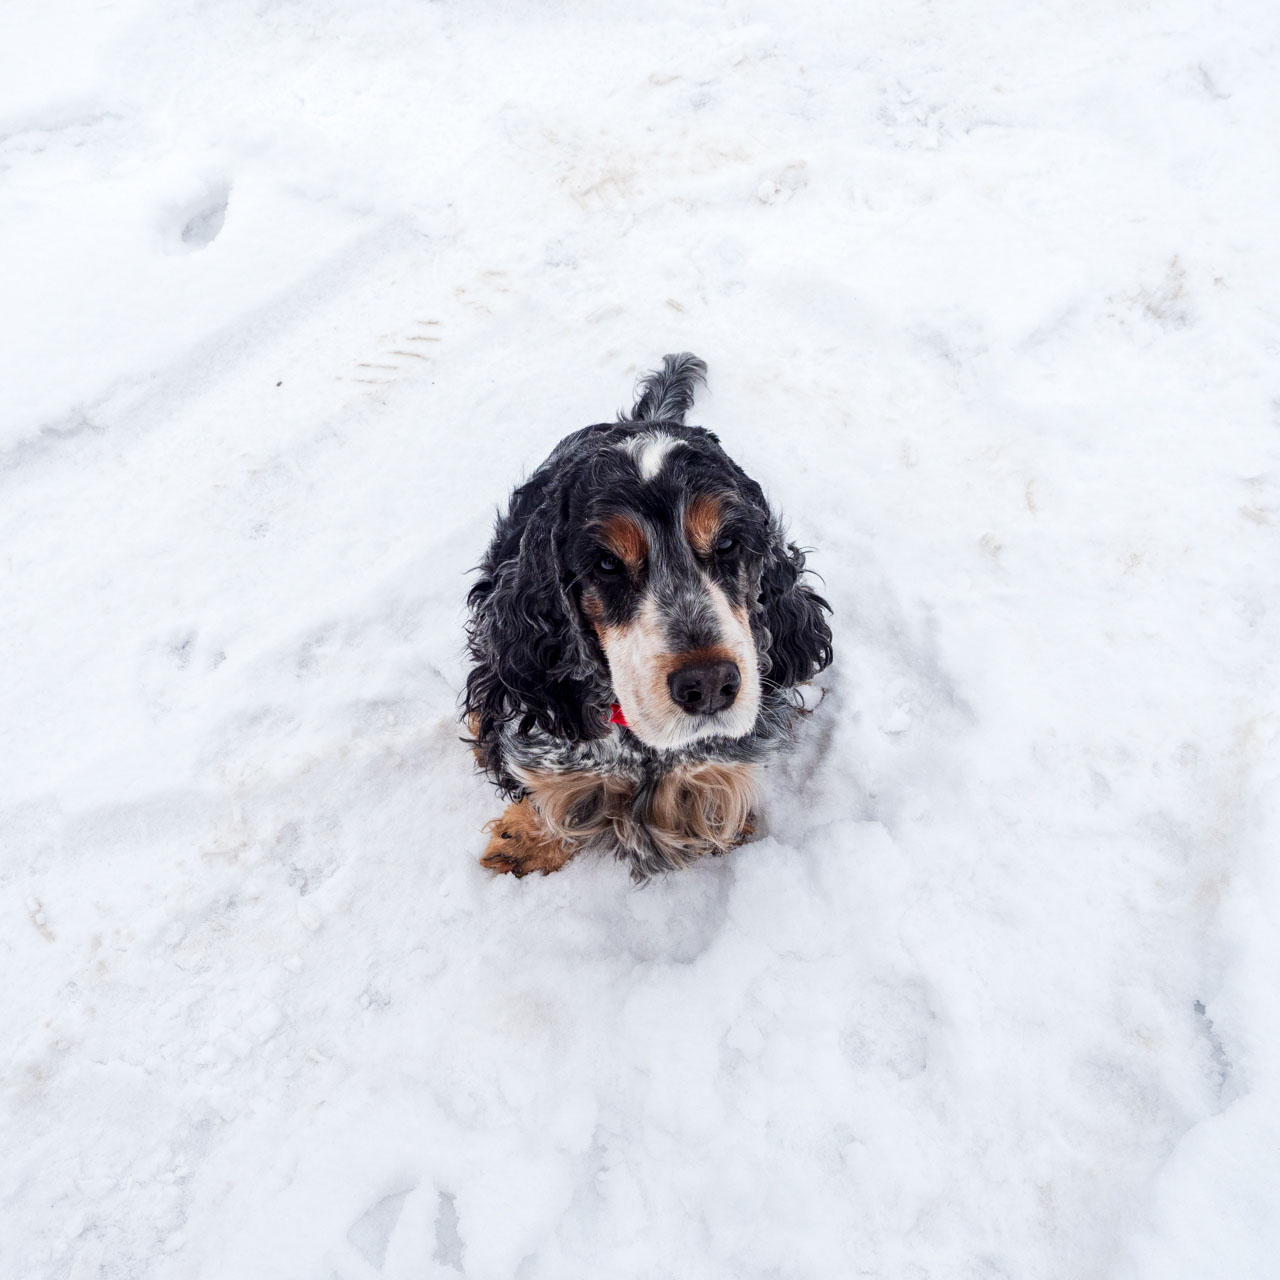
(293, 293)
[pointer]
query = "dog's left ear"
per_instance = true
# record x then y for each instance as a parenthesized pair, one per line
(532, 666)
(798, 643)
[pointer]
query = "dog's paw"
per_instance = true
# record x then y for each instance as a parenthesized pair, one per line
(503, 865)
(505, 854)
(518, 845)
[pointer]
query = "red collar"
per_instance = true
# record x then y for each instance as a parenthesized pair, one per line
(616, 716)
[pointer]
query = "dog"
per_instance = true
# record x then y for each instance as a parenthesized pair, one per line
(637, 632)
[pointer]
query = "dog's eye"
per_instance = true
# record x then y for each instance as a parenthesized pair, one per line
(608, 564)
(726, 545)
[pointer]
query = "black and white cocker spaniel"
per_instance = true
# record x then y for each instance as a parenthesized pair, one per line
(638, 630)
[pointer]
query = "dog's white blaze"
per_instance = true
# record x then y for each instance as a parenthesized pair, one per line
(736, 635)
(636, 657)
(650, 451)
(633, 653)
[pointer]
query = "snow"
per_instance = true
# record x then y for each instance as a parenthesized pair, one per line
(294, 293)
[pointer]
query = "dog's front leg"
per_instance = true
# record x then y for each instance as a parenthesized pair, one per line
(519, 843)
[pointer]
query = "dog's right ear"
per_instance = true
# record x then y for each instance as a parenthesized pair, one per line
(531, 662)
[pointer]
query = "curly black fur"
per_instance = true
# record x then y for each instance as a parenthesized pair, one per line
(795, 637)
(535, 666)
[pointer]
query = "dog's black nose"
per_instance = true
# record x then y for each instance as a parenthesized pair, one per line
(703, 688)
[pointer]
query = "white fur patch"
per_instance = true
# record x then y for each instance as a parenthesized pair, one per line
(650, 451)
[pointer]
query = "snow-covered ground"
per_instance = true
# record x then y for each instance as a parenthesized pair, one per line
(292, 293)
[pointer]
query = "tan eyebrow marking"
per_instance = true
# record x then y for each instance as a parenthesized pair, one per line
(626, 539)
(702, 520)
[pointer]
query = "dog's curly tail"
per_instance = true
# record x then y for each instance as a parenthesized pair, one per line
(666, 395)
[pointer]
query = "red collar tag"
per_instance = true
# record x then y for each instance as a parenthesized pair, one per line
(616, 716)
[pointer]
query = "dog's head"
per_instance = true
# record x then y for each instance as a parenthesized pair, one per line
(640, 565)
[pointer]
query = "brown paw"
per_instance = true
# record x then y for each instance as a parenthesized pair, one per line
(507, 854)
(506, 863)
(519, 844)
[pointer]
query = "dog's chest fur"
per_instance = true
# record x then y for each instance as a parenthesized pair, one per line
(656, 810)
(656, 820)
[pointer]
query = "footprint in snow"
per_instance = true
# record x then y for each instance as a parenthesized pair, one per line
(371, 1234)
(204, 220)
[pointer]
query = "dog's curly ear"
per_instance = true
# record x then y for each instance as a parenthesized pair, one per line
(531, 662)
(798, 643)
